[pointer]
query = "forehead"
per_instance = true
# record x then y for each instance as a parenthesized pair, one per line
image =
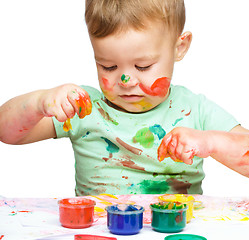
(146, 43)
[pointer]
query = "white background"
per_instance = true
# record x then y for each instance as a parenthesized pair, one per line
(44, 43)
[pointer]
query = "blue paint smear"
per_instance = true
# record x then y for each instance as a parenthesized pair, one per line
(112, 148)
(158, 130)
(177, 120)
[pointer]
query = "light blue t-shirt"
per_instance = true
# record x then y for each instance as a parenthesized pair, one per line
(116, 152)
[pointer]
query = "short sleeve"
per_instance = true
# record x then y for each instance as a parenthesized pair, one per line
(214, 117)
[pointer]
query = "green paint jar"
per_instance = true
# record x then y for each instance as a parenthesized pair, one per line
(168, 220)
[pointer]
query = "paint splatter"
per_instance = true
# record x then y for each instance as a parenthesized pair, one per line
(187, 114)
(106, 115)
(67, 125)
(1, 237)
(153, 187)
(134, 150)
(87, 133)
(131, 164)
(145, 137)
(158, 130)
(177, 121)
(159, 88)
(111, 148)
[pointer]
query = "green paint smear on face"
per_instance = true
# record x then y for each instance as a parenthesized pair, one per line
(145, 137)
(158, 130)
(154, 187)
(112, 148)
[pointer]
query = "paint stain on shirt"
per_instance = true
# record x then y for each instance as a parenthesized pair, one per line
(154, 187)
(177, 121)
(179, 186)
(130, 148)
(106, 115)
(111, 148)
(145, 137)
(158, 130)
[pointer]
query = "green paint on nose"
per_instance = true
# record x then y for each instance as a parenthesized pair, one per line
(125, 78)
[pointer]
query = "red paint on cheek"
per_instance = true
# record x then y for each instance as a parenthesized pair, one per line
(106, 84)
(159, 88)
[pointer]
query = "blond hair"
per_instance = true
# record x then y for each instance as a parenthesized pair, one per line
(106, 17)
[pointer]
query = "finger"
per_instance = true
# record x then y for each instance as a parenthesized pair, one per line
(189, 155)
(179, 151)
(162, 151)
(172, 147)
(68, 109)
(59, 114)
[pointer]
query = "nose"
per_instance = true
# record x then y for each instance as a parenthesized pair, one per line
(127, 81)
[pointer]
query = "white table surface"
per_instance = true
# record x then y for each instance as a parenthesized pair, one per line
(28, 219)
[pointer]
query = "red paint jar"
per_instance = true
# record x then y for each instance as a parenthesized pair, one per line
(76, 212)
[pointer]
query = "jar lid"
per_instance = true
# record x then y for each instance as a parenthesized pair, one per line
(184, 237)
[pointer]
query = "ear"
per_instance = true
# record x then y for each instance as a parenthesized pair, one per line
(182, 45)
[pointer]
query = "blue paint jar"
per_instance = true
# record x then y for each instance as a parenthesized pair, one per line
(124, 219)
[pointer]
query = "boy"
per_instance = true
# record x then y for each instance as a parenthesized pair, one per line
(139, 113)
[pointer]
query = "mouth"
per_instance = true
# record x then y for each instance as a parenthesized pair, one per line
(131, 98)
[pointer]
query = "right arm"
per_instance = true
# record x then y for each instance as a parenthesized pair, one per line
(28, 118)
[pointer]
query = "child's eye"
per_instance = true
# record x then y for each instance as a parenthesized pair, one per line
(143, 68)
(109, 69)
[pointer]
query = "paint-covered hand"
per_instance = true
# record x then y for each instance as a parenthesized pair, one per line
(64, 101)
(182, 144)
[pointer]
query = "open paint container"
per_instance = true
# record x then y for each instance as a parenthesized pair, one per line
(76, 212)
(124, 219)
(168, 217)
(181, 198)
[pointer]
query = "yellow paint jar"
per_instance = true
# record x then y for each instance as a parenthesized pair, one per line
(181, 198)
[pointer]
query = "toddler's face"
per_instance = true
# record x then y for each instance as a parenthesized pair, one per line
(135, 67)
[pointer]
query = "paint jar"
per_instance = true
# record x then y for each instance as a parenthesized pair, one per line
(184, 237)
(181, 198)
(124, 219)
(76, 212)
(168, 220)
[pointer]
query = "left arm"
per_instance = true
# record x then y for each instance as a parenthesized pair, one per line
(229, 148)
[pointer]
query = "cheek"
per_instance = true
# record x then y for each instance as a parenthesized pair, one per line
(159, 88)
(107, 88)
(105, 84)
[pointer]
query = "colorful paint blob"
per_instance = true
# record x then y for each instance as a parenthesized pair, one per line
(76, 212)
(67, 125)
(84, 105)
(159, 88)
(145, 137)
(158, 130)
